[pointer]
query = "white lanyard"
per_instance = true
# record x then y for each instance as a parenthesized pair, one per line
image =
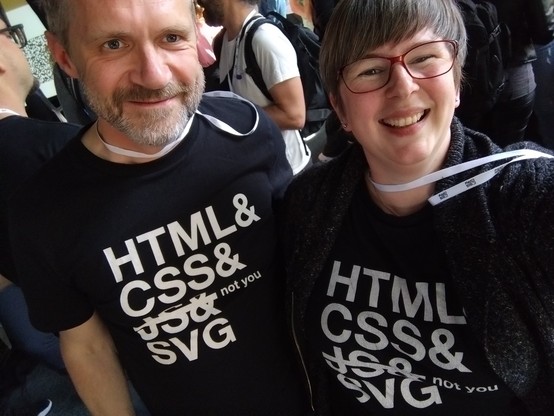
(461, 187)
(224, 126)
(214, 121)
(8, 111)
(233, 72)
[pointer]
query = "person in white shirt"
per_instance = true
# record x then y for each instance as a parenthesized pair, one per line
(277, 60)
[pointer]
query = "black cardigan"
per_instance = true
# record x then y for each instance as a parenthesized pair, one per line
(499, 242)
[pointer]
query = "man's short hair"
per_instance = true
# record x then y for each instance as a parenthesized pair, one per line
(58, 15)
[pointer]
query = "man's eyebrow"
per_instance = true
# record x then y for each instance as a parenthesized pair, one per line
(178, 28)
(101, 34)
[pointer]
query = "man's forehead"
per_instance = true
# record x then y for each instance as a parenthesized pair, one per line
(126, 5)
(109, 12)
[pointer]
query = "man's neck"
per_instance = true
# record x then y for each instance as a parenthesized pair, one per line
(94, 139)
(12, 105)
(235, 17)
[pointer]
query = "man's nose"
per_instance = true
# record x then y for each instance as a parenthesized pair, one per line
(152, 69)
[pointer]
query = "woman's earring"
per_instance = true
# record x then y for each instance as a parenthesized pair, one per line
(344, 125)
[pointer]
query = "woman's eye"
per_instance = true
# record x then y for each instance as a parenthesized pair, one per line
(421, 59)
(371, 71)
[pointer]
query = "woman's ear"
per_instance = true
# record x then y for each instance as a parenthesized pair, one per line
(337, 106)
(60, 55)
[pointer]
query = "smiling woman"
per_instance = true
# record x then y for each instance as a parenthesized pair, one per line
(373, 239)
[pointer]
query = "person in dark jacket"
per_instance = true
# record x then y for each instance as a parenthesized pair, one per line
(543, 68)
(321, 13)
(507, 121)
(419, 261)
(26, 143)
(277, 6)
(336, 139)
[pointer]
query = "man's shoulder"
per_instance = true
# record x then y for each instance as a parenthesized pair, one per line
(25, 127)
(223, 102)
(270, 49)
(268, 34)
(329, 177)
(268, 25)
(237, 112)
(26, 144)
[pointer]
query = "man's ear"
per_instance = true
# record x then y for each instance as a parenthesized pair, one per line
(60, 55)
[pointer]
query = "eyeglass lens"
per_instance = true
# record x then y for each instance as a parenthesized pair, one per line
(16, 34)
(424, 61)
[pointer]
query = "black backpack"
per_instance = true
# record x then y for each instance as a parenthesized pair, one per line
(488, 52)
(307, 46)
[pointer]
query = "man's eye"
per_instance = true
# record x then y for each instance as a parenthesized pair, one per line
(172, 38)
(113, 44)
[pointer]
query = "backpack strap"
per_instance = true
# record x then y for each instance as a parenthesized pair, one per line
(252, 67)
(217, 43)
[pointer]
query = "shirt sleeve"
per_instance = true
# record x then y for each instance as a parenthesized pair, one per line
(275, 55)
(54, 302)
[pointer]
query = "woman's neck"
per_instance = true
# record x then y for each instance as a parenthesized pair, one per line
(402, 203)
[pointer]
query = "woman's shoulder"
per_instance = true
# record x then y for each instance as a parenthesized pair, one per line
(325, 182)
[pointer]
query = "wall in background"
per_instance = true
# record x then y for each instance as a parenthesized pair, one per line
(12, 4)
(36, 50)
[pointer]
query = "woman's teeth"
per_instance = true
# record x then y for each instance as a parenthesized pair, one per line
(405, 121)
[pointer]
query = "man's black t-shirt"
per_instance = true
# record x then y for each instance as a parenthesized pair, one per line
(178, 257)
